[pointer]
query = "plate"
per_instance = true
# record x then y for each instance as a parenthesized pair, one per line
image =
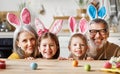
(114, 70)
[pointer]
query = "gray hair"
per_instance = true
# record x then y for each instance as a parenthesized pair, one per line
(98, 20)
(20, 29)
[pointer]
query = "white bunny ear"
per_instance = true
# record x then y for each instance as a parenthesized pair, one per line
(83, 26)
(40, 27)
(72, 24)
(56, 27)
(92, 12)
(13, 19)
(25, 16)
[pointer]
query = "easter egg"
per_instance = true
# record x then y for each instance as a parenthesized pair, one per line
(75, 63)
(118, 65)
(33, 66)
(2, 61)
(107, 65)
(2, 64)
(87, 67)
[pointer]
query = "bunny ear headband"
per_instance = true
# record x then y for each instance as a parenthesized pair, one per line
(56, 27)
(25, 17)
(81, 27)
(94, 13)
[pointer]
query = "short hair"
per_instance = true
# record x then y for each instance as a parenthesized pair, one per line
(98, 20)
(20, 29)
(54, 38)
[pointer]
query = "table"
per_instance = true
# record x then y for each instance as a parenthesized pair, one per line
(45, 66)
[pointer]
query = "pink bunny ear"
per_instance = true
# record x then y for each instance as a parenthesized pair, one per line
(13, 19)
(40, 27)
(25, 16)
(72, 24)
(83, 25)
(56, 27)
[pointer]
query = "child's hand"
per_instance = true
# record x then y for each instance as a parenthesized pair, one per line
(70, 59)
(62, 58)
(30, 58)
(89, 58)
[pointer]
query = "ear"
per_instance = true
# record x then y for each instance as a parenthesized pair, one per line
(25, 16)
(83, 26)
(92, 11)
(72, 24)
(56, 27)
(40, 27)
(102, 12)
(13, 19)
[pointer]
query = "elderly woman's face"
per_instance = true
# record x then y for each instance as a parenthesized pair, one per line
(98, 34)
(27, 42)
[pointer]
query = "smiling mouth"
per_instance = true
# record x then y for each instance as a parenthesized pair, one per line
(48, 53)
(78, 52)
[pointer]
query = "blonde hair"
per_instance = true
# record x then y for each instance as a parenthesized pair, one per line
(78, 35)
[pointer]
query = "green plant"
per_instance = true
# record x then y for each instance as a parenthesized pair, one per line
(21, 6)
(82, 3)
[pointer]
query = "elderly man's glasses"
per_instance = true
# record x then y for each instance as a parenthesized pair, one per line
(101, 31)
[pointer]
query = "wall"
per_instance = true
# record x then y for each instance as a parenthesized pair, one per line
(10, 5)
(52, 8)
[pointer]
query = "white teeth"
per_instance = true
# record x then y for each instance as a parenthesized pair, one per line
(48, 53)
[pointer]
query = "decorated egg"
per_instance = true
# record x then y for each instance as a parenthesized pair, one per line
(75, 63)
(107, 65)
(118, 65)
(33, 66)
(87, 67)
(2, 64)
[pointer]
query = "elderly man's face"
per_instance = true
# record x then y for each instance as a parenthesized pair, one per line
(98, 34)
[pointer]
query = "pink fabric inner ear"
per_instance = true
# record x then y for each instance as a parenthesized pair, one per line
(72, 23)
(39, 25)
(13, 19)
(83, 25)
(26, 16)
(56, 26)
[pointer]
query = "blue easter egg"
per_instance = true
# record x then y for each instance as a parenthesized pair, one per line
(33, 66)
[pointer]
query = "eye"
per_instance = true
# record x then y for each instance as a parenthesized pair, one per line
(82, 44)
(75, 44)
(103, 31)
(24, 41)
(51, 44)
(44, 45)
(92, 31)
(32, 39)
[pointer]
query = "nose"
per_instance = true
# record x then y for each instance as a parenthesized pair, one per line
(97, 35)
(48, 48)
(79, 46)
(29, 43)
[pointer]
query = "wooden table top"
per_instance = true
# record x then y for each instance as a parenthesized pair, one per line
(51, 67)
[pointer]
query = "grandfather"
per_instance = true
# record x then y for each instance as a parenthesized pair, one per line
(100, 48)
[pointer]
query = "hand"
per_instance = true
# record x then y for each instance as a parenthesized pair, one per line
(62, 58)
(30, 58)
(89, 58)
